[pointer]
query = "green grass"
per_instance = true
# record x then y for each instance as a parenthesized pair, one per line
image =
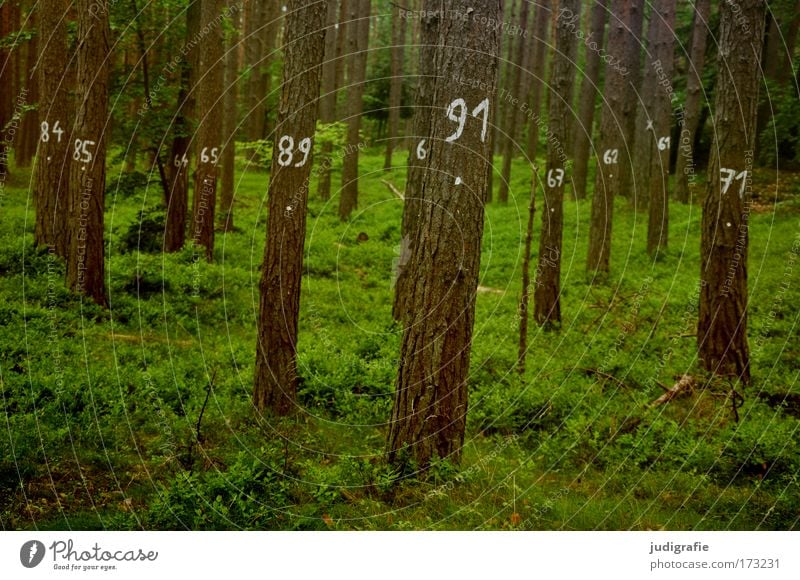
(101, 407)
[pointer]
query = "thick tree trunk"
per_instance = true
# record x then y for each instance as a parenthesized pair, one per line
(85, 262)
(327, 100)
(547, 305)
(685, 166)
(540, 48)
(279, 307)
(358, 30)
(231, 98)
(396, 84)
(722, 320)
(611, 145)
(54, 156)
(209, 130)
(417, 155)
(657, 184)
(430, 405)
(582, 132)
(514, 96)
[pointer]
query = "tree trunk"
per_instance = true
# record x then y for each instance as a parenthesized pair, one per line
(590, 88)
(514, 98)
(611, 144)
(685, 167)
(509, 10)
(722, 320)
(540, 48)
(627, 114)
(327, 101)
(358, 30)
(209, 130)
(279, 307)
(417, 155)
(658, 143)
(231, 98)
(547, 306)
(254, 53)
(54, 157)
(29, 125)
(6, 84)
(430, 405)
(85, 262)
(396, 84)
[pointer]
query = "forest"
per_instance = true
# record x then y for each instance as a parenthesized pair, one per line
(399, 265)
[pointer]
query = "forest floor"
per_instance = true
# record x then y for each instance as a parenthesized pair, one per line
(140, 415)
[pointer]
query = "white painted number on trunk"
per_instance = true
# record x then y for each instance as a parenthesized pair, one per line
(46, 131)
(422, 153)
(728, 176)
(81, 152)
(286, 151)
(214, 155)
(610, 156)
(461, 117)
(178, 161)
(555, 177)
(663, 144)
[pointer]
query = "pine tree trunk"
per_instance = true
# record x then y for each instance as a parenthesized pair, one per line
(279, 307)
(430, 405)
(231, 98)
(611, 145)
(547, 305)
(722, 320)
(209, 130)
(661, 113)
(396, 84)
(6, 84)
(54, 156)
(627, 114)
(541, 34)
(685, 167)
(358, 30)
(327, 101)
(254, 53)
(589, 90)
(85, 262)
(513, 108)
(29, 125)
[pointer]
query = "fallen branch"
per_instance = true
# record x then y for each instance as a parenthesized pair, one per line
(683, 386)
(393, 189)
(602, 374)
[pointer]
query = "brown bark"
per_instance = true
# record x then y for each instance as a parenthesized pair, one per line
(514, 97)
(327, 100)
(685, 168)
(525, 295)
(657, 183)
(279, 306)
(358, 30)
(582, 132)
(54, 157)
(611, 145)
(540, 48)
(547, 304)
(509, 11)
(396, 83)
(29, 124)
(6, 84)
(229, 122)
(722, 320)
(627, 113)
(209, 130)
(85, 261)
(430, 405)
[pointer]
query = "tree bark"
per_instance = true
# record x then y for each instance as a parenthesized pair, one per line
(627, 114)
(547, 304)
(230, 100)
(722, 320)
(685, 167)
(611, 145)
(327, 102)
(658, 142)
(590, 88)
(54, 160)
(85, 262)
(209, 130)
(29, 125)
(358, 30)
(396, 84)
(430, 404)
(541, 34)
(279, 306)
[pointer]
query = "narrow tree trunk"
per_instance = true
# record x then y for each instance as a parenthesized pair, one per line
(627, 114)
(54, 156)
(29, 125)
(358, 29)
(85, 262)
(513, 108)
(254, 53)
(430, 405)
(279, 306)
(525, 295)
(589, 90)
(610, 147)
(659, 144)
(209, 130)
(547, 304)
(685, 166)
(722, 320)
(396, 84)
(6, 84)
(509, 10)
(541, 34)
(327, 101)
(231, 98)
